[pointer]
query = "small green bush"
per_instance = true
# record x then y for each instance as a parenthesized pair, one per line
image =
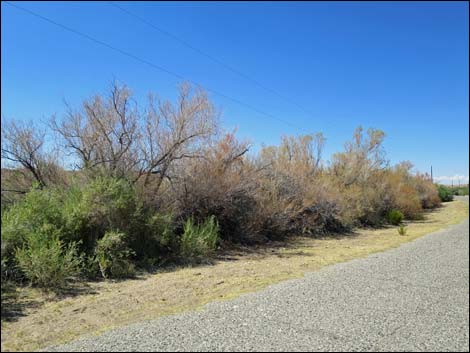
(402, 230)
(445, 193)
(395, 217)
(199, 241)
(153, 236)
(46, 261)
(113, 256)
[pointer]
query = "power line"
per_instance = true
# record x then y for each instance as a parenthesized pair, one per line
(152, 65)
(210, 57)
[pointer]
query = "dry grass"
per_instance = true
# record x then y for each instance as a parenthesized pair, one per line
(40, 320)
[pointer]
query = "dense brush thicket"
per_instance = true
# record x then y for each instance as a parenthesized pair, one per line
(459, 190)
(165, 184)
(445, 193)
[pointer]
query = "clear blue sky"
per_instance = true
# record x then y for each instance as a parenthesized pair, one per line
(400, 67)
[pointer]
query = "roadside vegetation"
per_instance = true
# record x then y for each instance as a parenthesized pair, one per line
(447, 193)
(33, 319)
(112, 188)
(459, 190)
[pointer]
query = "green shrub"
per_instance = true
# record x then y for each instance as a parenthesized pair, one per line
(199, 241)
(22, 220)
(445, 194)
(154, 236)
(113, 256)
(90, 267)
(104, 204)
(459, 190)
(395, 217)
(38, 207)
(108, 205)
(46, 261)
(163, 226)
(81, 215)
(8, 244)
(402, 230)
(4, 269)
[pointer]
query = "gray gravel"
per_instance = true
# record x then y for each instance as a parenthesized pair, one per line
(413, 298)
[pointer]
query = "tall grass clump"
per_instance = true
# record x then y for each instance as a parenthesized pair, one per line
(402, 230)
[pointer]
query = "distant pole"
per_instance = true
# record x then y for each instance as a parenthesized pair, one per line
(432, 180)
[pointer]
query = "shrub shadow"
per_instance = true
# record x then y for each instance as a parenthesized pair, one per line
(237, 252)
(12, 308)
(14, 305)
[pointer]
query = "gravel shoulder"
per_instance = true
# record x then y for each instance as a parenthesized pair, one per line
(415, 297)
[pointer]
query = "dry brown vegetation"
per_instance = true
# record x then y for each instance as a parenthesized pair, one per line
(139, 174)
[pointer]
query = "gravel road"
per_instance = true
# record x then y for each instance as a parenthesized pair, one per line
(412, 298)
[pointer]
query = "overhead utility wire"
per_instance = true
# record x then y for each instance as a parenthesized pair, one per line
(160, 68)
(210, 57)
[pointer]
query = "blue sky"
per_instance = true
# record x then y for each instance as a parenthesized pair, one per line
(400, 67)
